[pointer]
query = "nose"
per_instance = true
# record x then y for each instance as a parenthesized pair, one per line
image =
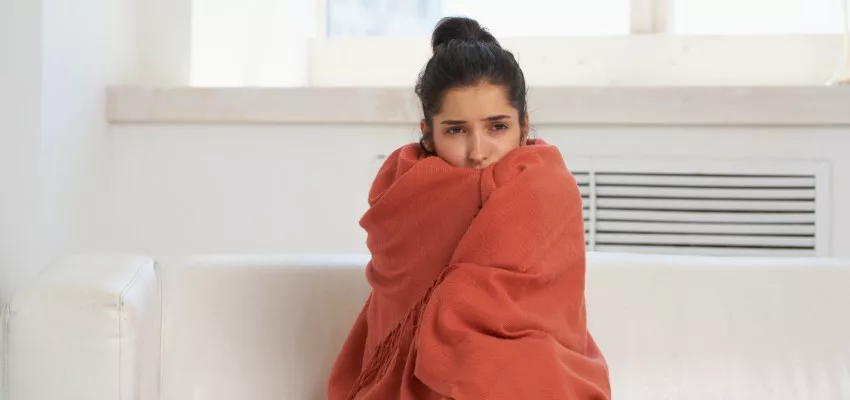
(477, 155)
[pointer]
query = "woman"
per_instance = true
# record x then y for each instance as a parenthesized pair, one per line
(477, 242)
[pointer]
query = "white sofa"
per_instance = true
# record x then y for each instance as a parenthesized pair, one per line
(114, 327)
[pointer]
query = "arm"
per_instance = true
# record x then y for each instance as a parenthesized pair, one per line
(508, 320)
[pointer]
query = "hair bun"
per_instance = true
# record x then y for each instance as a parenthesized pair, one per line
(460, 28)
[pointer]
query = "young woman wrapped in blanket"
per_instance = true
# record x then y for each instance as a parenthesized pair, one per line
(477, 242)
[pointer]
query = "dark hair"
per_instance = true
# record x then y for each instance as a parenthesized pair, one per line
(466, 54)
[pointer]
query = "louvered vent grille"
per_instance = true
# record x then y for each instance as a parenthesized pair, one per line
(705, 214)
(583, 180)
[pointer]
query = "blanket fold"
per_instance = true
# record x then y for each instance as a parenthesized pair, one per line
(478, 284)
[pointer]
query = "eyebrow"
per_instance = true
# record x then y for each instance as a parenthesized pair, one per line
(489, 119)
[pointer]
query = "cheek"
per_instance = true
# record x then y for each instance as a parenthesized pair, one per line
(447, 146)
(452, 151)
(509, 139)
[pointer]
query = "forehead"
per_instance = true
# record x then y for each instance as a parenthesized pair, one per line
(481, 100)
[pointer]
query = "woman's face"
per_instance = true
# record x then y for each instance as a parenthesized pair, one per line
(476, 126)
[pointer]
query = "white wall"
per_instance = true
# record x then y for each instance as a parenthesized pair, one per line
(86, 46)
(60, 56)
(302, 188)
(243, 188)
(20, 102)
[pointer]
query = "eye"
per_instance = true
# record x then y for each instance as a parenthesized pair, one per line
(500, 126)
(454, 130)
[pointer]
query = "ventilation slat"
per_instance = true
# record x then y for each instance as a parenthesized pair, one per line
(681, 180)
(708, 228)
(705, 193)
(701, 217)
(722, 210)
(704, 205)
(708, 251)
(582, 178)
(698, 239)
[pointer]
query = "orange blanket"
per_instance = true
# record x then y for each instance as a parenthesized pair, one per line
(478, 285)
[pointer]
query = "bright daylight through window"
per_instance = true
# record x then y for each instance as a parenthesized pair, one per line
(543, 18)
(539, 18)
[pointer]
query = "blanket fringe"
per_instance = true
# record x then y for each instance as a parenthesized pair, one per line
(384, 356)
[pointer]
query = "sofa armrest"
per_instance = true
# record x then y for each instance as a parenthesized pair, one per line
(87, 328)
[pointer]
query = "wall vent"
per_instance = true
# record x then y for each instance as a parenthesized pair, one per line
(704, 207)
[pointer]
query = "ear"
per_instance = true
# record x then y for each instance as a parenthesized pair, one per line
(427, 144)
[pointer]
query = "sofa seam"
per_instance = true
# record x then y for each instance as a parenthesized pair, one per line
(5, 315)
(121, 297)
(160, 284)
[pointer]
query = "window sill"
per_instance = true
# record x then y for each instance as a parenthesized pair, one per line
(775, 105)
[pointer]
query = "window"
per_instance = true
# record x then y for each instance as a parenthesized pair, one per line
(344, 42)
(382, 17)
(530, 18)
(757, 17)
(541, 18)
